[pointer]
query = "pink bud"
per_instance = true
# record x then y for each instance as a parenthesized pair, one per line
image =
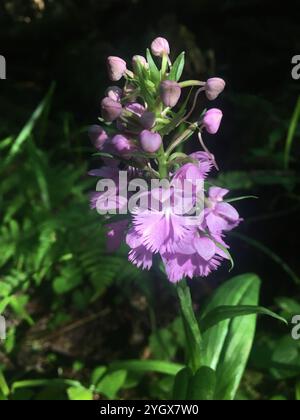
(212, 120)
(170, 92)
(111, 110)
(98, 136)
(116, 68)
(214, 87)
(139, 59)
(114, 92)
(122, 144)
(148, 120)
(150, 142)
(160, 47)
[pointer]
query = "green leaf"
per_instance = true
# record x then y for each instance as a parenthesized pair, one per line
(104, 155)
(37, 164)
(29, 126)
(154, 72)
(229, 312)
(225, 250)
(69, 279)
(191, 327)
(112, 383)
(177, 68)
(285, 359)
(97, 374)
(181, 384)
(3, 385)
(291, 134)
(288, 305)
(18, 304)
(4, 303)
(226, 346)
(79, 394)
(37, 383)
(298, 391)
(244, 197)
(2, 396)
(144, 366)
(203, 385)
(278, 398)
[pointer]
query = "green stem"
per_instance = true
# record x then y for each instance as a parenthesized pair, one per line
(189, 83)
(183, 137)
(191, 327)
(164, 66)
(162, 163)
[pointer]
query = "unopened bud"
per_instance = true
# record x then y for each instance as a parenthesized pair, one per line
(214, 87)
(150, 142)
(98, 136)
(170, 92)
(116, 67)
(111, 110)
(160, 47)
(115, 93)
(122, 144)
(212, 120)
(148, 120)
(139, 59)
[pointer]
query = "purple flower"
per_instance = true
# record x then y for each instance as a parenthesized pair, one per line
(170, 92)
(116, 67)
(148, 120)
(212, 120)
(111, 110)
(175, 218)
(158, 225)
(110, 172)
(115, 234)
(219, 215)
(122, 145)
(150, 142)
(214, 87)
(205, 162)
(160, 47)
(109, 200)
(136, 108)
(93, 199)
(190, 172)
(115, 93)
(98, 136)
(195, 256)
(138, 254)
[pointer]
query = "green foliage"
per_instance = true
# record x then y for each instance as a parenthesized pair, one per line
(177, 68)
(51, 247)
(227, 345)
(222, 313)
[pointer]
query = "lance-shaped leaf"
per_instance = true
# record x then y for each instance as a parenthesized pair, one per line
(177, 68)
(227, 345)
(222, 313)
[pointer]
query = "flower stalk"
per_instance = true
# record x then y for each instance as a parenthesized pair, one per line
(191, 327)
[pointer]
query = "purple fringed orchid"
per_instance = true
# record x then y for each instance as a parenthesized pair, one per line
(185, 222)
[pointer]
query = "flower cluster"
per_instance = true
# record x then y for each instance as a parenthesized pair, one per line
(144, 127)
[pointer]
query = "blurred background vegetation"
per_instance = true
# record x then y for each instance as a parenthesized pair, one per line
(74, 312)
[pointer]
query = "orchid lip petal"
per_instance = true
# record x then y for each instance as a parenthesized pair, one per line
(205, 247)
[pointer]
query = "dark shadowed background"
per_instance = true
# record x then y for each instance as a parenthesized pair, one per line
(74, 307)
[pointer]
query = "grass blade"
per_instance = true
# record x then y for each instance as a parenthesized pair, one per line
(291, 134)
